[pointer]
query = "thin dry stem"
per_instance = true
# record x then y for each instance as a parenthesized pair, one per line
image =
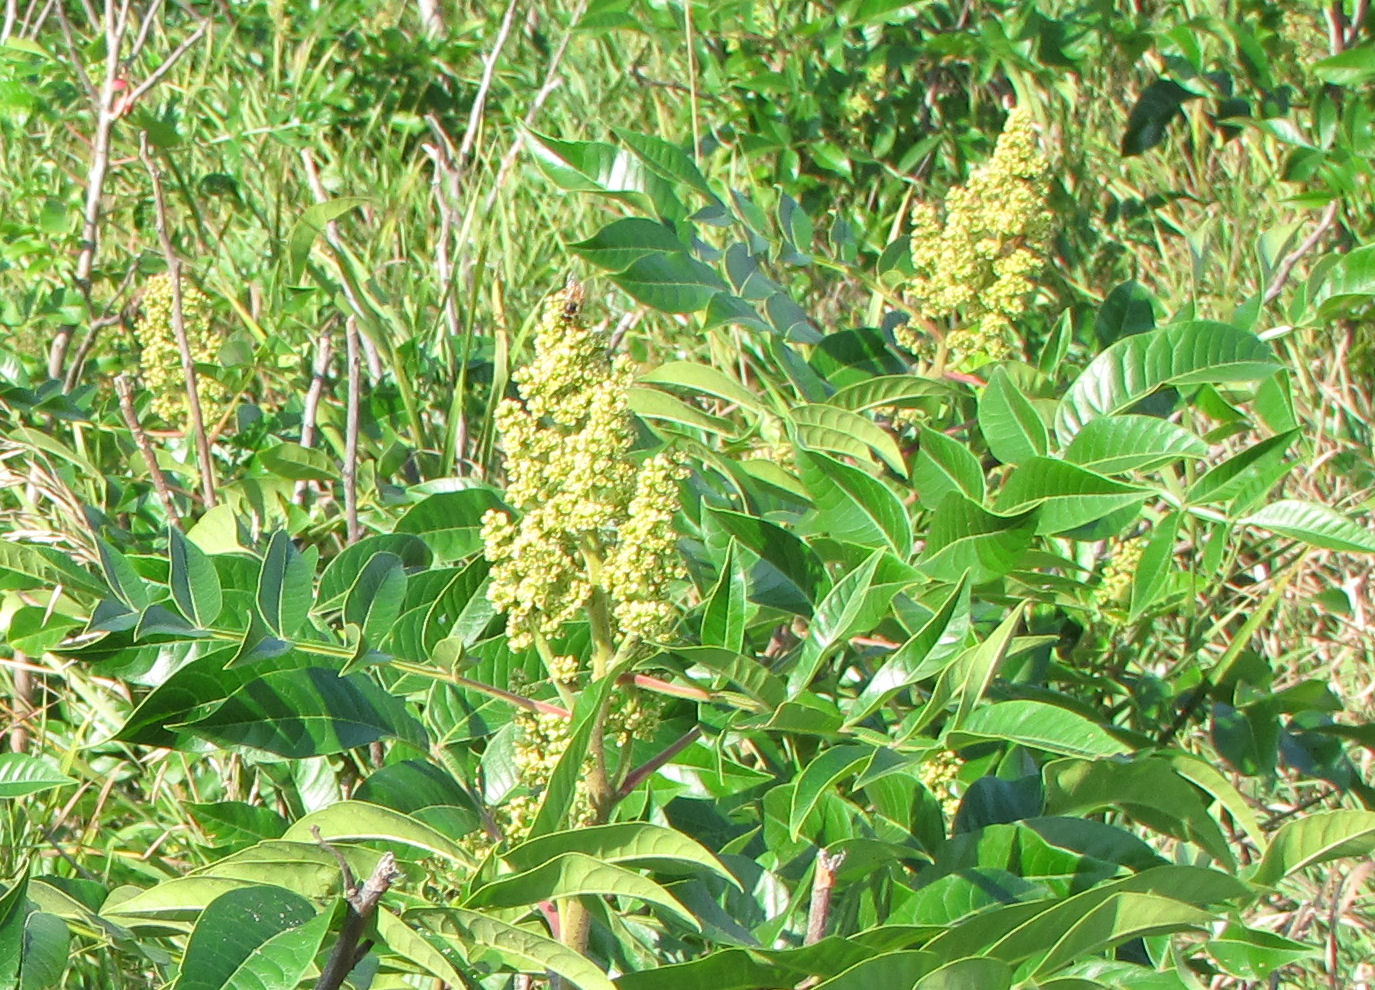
(124, 389)
(350, 466)
(188, 364)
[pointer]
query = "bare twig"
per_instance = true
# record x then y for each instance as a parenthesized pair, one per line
(109, 100)
(98, 324)
(188, 364)
(125, 390)
(362, 905)
(1348, 888)
(823, 882)
(319, 373)
(431, 18)
(102, 100)
(317, 190)
(484, 86)
(23, 705)
(551, 82)
(344, 868)
(165, 67)
(446, 186)
(350, 466)
(1286, 266)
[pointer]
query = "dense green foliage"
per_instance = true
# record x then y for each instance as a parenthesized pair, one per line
(956, 578)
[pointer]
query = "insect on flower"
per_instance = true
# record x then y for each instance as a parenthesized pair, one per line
(572, 298)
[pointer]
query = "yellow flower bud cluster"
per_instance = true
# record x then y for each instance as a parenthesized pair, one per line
(978, 261)
(590, 518)
(159, 356)
(939, 775)
(1124, 557)
(637, 717)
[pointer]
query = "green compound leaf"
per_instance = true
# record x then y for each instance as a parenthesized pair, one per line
(573, 874)
(284, 587)
(342, 571)
(750, 969)
(253, 938)
(1119, 444)
(819, 776)
(309, 712)
(24, 566)
(1010, 424)
(836, 619)
(922, 656)
(1316, 525)
(1253, 954)
(358, 821)
(623, 242)
(792, 558)
(601, 168)
(1120, 917)
(891, 969)
(1066, 495)
(650, 847)
(962, 537)
(1036, 725)
(670, 283)
(125, 582)
(22, 775)
(194, 582)
(854, 506)
(823, 427)
(12, 915)
(890, 390)
(1191, 353)
(1247, 474)
(943, 466)
(517, 948)
(374, 601)
(666, 160)
(725, 611)
(1147, 789)
(47, 950)
(450, 523)
(296, 463)
(700, 379)
(1319, 838)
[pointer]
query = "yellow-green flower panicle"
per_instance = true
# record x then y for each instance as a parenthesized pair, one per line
(590, 519)
(1124, 559)
(160, 358)
(975, 264)
(641, 565)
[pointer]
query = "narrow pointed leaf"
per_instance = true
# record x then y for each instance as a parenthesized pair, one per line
(1036, 725)
(310, 712)
(1009, 422)
(854, 506)
(575, 875)
(284, 587)
(1319, 838)
(521, 950)
(943, 466)
(1193, 352)
(358, 821)
(194, 582)
(253, 938)
(1316, 525)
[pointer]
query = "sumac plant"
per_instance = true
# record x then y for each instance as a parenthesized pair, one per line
(913, 647)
